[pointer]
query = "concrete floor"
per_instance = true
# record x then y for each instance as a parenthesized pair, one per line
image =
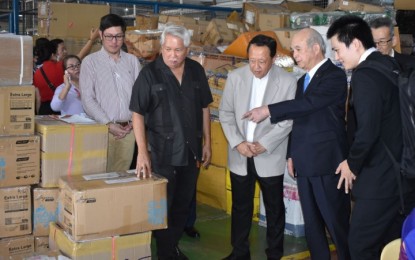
(214, 226)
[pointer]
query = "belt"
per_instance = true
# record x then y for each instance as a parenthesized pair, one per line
(123, 123)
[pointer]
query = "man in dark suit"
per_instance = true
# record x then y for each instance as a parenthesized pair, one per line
(318, 143)
(368, 168)
(385, 40)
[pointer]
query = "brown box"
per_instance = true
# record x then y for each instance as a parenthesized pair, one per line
(70, 147)
(218, 32)
(19, 160)
(98, 208)
(252, 11)
(16, 66)
(15, 211)
(69, 20)
(285, 36)
(146, 22)
(45, 209)
(268, 22)
(347, 5)
(143, 43)
(404, 4)
(42, 244)
(134, 246)
(17, 110)
(14, 246)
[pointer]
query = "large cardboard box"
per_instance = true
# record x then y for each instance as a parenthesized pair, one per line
(211, 187)
(16, 60)
(45, 209)
(252, 11)
(143, 43)
(217, 32)
(15, 211)
(14, 246)
(348, 5)
(19, 160)
(97, 208)
(146, 22)
(269, 22)
(404, 4)
(135, 246)
(17, 109)
(71, 147)
(69, 20)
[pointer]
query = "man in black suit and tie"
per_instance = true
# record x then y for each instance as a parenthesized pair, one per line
(368, 169)
(317, 144)
(385, 40)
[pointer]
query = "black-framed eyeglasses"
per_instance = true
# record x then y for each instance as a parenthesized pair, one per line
(75, 66)
(383, 43)
(109, 37)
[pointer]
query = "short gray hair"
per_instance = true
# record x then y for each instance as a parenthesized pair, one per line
(382, 22)
(177, 31)
(316, 38)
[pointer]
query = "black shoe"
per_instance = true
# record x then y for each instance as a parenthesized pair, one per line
(179, 254)
(192, 232)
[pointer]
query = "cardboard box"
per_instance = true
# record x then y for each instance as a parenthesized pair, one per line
(14, 246)
(146, 22)
(45, 209)
(211, 187)
(217, 32)
(15, 211)
(16, 66)
(143, 43)
(347, 5)
(49, 255)
(42, 244)
(19, 160)
(17, 110)
(69, 20)
(98, 208)
(135, 246)
(72, 147)
(285, 36)
(269, 22)
(252, 11)
(404, 5)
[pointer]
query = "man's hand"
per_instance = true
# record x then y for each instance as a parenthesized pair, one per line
(143, 168)
(257, 114)
(256, 148)
(346, 175)
(244, 149)
(119, 131)
(290, 166)
(206, 156)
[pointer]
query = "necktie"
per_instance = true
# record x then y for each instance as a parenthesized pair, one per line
(306, 81)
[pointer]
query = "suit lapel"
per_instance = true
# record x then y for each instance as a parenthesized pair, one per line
(272, 86)
(316, 78)
(245, 94)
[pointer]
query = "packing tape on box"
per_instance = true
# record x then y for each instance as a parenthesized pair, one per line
(21, 61)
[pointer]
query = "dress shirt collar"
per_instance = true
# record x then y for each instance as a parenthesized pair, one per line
(315, 68)
(366, 54)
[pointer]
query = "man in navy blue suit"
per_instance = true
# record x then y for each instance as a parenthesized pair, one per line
(318, 143)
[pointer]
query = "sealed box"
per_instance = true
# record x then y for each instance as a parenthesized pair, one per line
(19, 160)
(404, 5)
(217, 32)
(16, 66)
(45, 209)
(14, 246)
(15, 211)
(17, 110)
(70, 146)
(42, 243)
(95, 208)
(134, 246)
(348, 5)
(69, 19)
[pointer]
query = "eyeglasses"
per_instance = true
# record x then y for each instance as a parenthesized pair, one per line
(383, 43)
(110, 37)
(72, 67)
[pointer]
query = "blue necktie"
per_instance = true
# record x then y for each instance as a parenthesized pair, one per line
(306, 81)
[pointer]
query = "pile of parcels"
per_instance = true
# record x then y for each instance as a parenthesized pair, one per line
(56, 198)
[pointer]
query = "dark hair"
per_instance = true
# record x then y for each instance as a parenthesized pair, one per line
(112, 20)
(54, 45)
(67, 57)
(382, 22)
(350, 27)
(263, 40)
(42, 50)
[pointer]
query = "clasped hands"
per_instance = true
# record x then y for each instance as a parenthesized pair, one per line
(119, 131)
(250, 149)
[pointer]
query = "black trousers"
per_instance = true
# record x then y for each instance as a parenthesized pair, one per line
(243, 188)
(324, 206)
(180, 191)
(374, 223)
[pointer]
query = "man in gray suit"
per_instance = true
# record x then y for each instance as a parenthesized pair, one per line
(256, 151)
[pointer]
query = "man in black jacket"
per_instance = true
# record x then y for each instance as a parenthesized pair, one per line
(385, 40)
(368, 168)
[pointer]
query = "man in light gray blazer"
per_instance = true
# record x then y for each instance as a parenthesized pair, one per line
(256, 151)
